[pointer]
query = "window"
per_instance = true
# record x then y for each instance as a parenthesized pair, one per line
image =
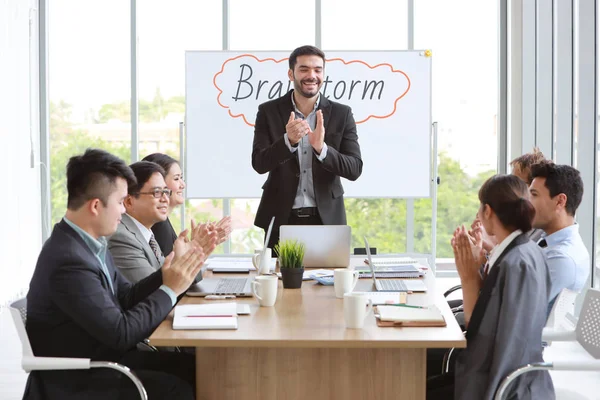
(463, 37)
(89, 78)
(165, 34)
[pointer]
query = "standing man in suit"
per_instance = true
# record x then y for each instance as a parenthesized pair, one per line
(79, 305)
(133, 246)
(306, 143)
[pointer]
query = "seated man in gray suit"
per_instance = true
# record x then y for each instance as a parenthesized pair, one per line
(133, 246)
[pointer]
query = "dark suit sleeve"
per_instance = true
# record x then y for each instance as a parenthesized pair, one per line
(268, 155)
(346, 161)
(130, 294)
(77, 290)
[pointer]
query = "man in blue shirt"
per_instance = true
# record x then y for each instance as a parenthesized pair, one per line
(556, 192)
(79, 305)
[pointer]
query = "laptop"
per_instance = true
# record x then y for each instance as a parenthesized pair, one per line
(239, 287)
(327, 246)
(394, 285)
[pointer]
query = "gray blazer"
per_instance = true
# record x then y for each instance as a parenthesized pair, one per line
(131, 253)
(505, 331)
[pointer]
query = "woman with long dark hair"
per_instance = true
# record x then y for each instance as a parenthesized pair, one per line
(505, 303)
(164, 233)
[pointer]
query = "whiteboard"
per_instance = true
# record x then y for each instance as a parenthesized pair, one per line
(390, 96)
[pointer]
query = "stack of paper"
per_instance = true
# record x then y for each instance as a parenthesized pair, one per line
(407, 315)
(206, 316)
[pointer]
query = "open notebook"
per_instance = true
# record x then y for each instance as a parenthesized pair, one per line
(206, 316)
(409, 316)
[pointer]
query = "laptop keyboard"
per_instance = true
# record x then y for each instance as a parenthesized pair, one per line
(230, 285)
(394, 285)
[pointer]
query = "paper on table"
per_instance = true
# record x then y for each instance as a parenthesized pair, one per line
(225, 263)
(206, 316)
(310, 274)
(385, 297)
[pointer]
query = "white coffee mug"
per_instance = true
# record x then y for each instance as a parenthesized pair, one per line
(262, 262)
(344, 280)
(265, 290)
(356, 309)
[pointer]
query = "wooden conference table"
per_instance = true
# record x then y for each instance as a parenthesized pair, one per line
(300, 349)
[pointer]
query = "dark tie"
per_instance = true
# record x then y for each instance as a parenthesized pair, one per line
(486, 269)
(542, 243)
(155, 248)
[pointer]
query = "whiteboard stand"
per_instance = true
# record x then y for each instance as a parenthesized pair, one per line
(410, 215)
(183, 168)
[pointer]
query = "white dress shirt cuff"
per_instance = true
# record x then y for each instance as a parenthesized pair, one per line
(170, 292)
(288, 144)
(323, 154)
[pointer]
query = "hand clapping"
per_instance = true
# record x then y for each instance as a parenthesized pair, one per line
(296, 129)
(467, 255)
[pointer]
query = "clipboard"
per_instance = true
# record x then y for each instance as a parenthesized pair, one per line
(401, 324)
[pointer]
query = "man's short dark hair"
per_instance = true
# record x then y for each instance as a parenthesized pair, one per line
(143, 170)
(527, 160)
(92, 175)
(561, 179)
(305, 51)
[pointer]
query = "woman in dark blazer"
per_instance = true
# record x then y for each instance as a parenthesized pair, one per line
(504, 304)
(164, 233)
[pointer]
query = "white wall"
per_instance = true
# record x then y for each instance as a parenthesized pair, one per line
(20, 230)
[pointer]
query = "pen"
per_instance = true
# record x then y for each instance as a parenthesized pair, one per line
(208, 316)
(217, 297)
(404, 305)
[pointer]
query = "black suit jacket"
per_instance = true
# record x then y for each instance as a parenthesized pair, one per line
(72, 312)
(270, 154)
(165, 236)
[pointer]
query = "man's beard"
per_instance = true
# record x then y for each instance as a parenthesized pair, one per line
(308, 95)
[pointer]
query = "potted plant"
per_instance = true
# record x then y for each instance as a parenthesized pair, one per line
(291, 256)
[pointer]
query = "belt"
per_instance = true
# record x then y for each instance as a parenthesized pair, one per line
(305, 212)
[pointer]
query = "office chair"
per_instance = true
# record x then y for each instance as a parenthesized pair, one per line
(585, 336)
(564, 304)
(30, 362)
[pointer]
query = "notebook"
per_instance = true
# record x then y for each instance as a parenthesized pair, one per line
(206, 316)
(409, 316)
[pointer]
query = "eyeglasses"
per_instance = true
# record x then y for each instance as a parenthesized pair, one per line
(158, 193)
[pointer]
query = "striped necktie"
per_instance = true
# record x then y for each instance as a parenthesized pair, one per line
(486, 269)
(155, 248)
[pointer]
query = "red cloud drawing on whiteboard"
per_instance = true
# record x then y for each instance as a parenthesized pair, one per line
(388, 68)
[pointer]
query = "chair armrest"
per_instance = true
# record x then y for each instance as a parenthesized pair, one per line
(540, 366)
(579, 365)
(124, 370)
(549, 335)
(53, 363)
(452, 289)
